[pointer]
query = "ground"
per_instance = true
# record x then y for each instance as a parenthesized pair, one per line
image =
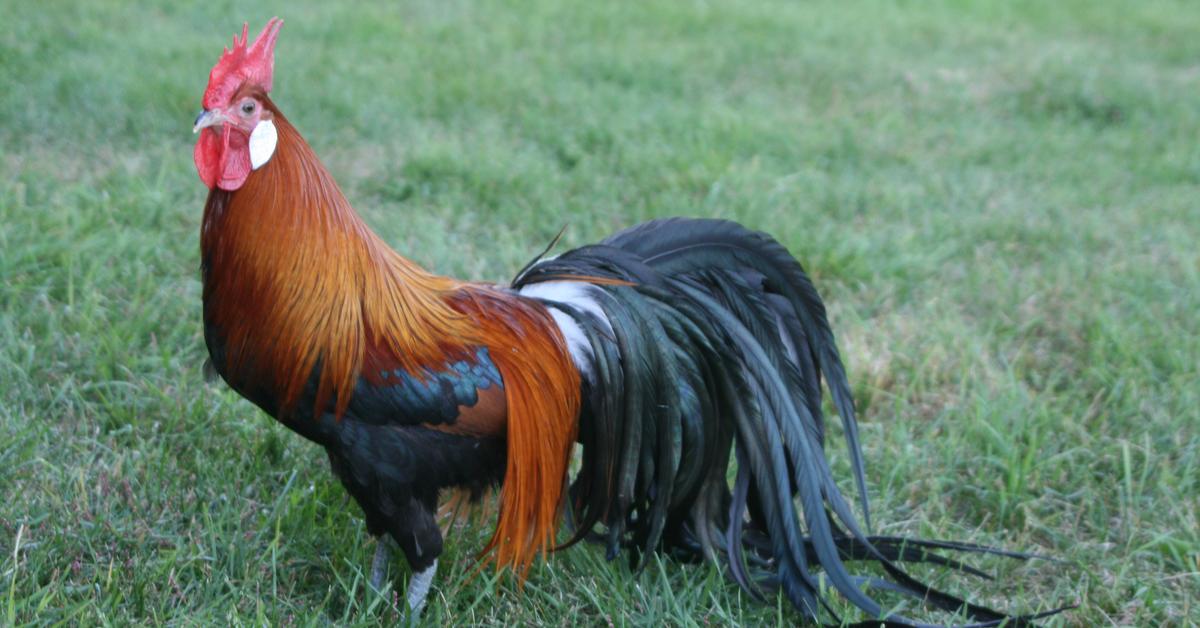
(997, 200)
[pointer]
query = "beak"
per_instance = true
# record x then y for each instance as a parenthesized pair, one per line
(206, 119)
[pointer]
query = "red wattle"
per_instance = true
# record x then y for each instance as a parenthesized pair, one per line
(208, 156)
(222, 158)
(235, 161)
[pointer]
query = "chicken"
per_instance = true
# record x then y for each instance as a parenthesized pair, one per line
(663, 352)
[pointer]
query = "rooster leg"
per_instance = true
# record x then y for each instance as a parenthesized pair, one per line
(416, 532)
(418, 588)
(379, 565)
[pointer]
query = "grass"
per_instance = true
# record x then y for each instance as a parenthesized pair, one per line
(998, 201)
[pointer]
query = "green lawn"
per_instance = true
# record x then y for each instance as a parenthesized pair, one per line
(1000, 203)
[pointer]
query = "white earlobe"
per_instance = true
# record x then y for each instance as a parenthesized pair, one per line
(262, 143)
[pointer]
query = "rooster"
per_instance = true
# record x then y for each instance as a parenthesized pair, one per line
(664, 351)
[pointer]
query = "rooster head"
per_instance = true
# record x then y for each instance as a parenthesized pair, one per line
(237, 134)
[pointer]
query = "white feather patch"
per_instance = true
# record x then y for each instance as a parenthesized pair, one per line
(577, 342)
(577, 295)
(574, 293)
(262, 143)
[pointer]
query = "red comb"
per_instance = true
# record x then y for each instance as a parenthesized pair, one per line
(254, 64)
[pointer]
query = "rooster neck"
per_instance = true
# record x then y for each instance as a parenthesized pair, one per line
(298, 288)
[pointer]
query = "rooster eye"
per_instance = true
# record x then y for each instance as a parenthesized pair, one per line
(248, 107)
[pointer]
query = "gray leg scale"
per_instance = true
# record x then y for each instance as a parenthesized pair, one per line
(418, 588)
(379, 565)
(418, 585)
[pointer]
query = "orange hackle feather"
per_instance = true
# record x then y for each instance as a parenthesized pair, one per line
(542, 388)
(299, 283)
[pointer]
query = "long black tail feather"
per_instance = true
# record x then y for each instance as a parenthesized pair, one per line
(715, 341)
